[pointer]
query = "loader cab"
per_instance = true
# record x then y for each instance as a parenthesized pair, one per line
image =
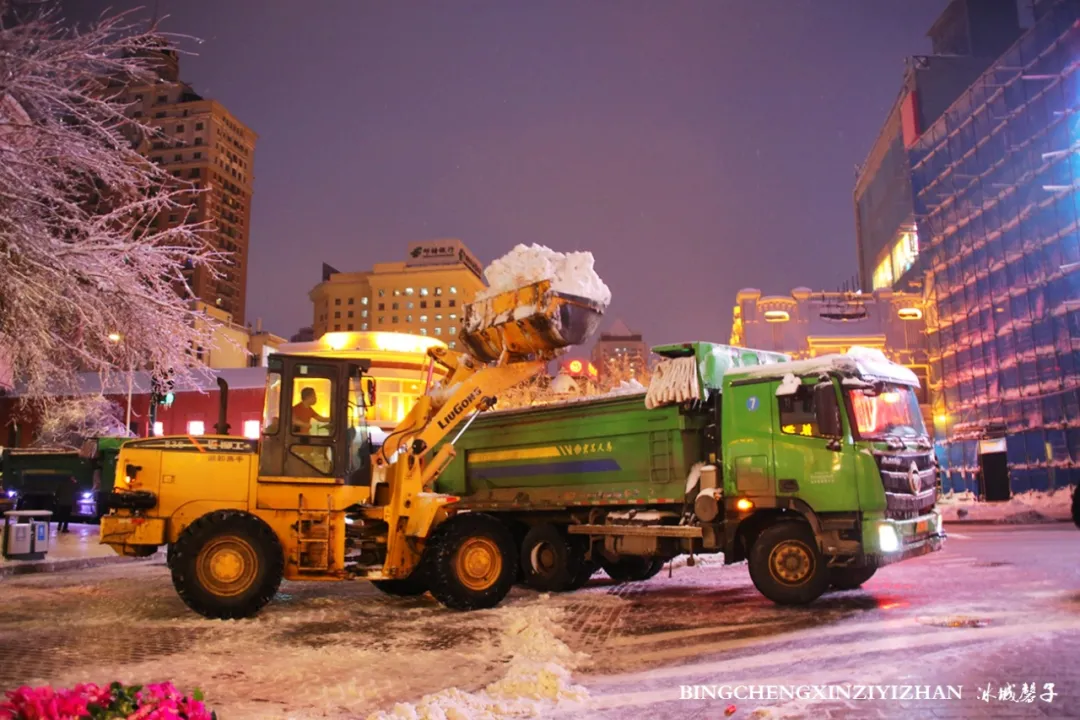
(314, 420)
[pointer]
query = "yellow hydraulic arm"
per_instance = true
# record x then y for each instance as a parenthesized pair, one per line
(510, 338)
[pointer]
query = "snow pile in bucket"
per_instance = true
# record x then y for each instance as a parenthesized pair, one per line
(536, 683)
(626, 387)
(570, 273)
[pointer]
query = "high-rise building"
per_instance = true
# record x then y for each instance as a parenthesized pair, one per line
(965, 39)
(424, 295)
(995, 183)
(620, 346)
(200, 141)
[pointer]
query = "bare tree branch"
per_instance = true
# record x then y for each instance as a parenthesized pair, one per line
(89, 280)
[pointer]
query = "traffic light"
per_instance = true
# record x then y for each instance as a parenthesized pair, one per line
(161, 389)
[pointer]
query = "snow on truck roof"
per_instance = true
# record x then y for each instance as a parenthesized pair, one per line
(864, 362)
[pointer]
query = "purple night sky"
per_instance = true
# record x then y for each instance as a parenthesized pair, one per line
(695, 147)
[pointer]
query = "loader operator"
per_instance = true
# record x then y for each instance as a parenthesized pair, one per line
(303, 412)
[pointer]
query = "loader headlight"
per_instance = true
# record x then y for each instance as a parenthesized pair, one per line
(888, 540)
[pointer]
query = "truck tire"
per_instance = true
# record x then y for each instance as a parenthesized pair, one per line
(551, 560)
(786, 565)
(587, 570)
(227, 565)
(632, 568)
(410, 586)
(850, 578)
(471, 562)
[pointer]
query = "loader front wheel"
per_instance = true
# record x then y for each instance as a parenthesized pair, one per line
(850, 578)
(227, 565)
(471, 562)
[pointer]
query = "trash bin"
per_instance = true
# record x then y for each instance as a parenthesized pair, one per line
(26, 534)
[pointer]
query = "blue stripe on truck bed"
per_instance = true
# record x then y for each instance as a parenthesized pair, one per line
(551, 468)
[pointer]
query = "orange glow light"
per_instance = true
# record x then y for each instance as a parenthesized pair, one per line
(575, 366)
(592, 370)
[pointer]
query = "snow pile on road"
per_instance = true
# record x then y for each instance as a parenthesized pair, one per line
(1033, 505)
(570, 273)
(536, 683)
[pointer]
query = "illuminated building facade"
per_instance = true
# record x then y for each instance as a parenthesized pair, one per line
(807, 324)
(620, 346)
(966, 38)
(423, 295)
(995, 183)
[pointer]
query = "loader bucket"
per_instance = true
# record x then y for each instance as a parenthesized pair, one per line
(532, 321)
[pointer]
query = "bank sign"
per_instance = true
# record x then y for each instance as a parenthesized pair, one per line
(442, 252)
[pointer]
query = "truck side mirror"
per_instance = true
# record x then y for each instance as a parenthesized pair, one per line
(827, 411)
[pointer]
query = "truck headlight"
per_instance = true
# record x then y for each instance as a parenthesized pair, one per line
(88, 496)
(888, 540)
(12, 493)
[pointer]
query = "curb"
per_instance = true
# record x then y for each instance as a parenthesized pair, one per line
(49, 566)
(1006, 521)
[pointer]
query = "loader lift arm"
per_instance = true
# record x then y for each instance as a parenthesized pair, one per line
(510, 338)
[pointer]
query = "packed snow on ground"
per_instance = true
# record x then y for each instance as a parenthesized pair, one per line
(570, 273)
(1031, 505)
(536, 683)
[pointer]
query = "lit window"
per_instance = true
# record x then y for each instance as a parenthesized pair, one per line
(409, 305)
(438, 291)
(438, 316)
(382, 292)
(452, 344)
(363, 313)
(364, 326)
(159, 428)
(453, 290)
(423, 292)
(252, 429)
(423, 331)
(438, 331)
(453, 316)
(363, 301)
(408, 291)
(397, 293)
(423, 318)
(196, 427)
(408, 318)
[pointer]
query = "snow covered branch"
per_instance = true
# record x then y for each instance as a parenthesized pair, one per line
(91, 277)
(78, 419)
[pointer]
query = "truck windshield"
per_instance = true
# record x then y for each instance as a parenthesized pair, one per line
(892, 411)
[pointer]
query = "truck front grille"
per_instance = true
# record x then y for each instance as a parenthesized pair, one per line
(908, 493)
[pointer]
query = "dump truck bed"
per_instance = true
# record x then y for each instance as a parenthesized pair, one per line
(611, 451)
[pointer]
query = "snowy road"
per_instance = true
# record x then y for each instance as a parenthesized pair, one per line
(997, 606)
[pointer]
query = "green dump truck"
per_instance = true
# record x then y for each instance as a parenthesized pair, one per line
(32, 477)
(816, 472)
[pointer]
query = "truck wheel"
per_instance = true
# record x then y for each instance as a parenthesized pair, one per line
(227, 565)
(849, 578)
(632, 568)
(550, 559)
(786, 565)
(410, 586)
(586, 570)
(471, 562)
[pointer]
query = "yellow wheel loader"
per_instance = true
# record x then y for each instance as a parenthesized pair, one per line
(313, 499)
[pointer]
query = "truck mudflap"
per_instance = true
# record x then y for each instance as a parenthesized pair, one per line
(889, 541)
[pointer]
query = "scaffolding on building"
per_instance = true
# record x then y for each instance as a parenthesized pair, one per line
(997, 196)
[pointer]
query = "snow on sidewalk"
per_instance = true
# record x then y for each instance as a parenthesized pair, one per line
(1031, 506)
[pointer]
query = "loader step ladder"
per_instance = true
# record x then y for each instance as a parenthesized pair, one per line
(313, 541)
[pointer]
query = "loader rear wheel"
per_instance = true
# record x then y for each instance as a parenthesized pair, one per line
(786, 565)
(849, 578)
(471, 562)
(227, 565)
(632, 568)
(552, 560)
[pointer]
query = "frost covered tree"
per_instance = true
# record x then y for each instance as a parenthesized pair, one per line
(68, 424)
(89, 281)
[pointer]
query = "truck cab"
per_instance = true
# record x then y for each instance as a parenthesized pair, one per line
(838, 444)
